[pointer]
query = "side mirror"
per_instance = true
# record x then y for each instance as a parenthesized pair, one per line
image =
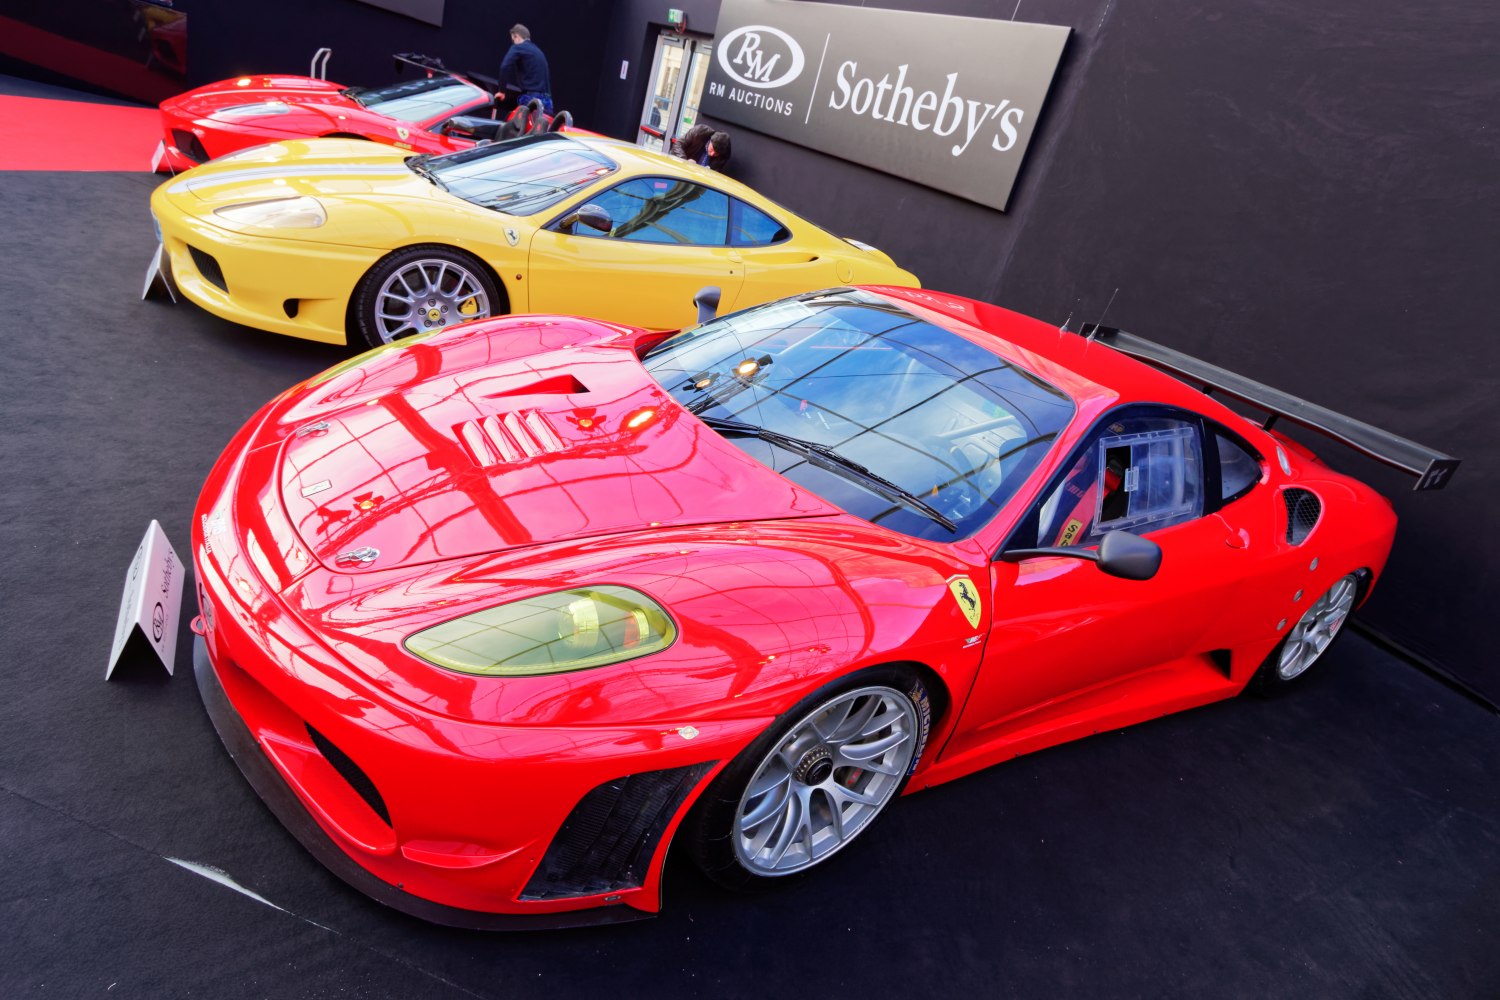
(707, 301)
(1121, 554)
(590, 215)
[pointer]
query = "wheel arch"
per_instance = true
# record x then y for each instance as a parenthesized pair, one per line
(502, 307)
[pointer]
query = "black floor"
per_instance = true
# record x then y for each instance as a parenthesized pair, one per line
(1343, 842)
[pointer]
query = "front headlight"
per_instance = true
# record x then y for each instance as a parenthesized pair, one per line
(277, 213)
(568, 630)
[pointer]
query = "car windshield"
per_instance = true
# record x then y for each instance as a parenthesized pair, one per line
(907, 403)
(418, 100)
(522, 176)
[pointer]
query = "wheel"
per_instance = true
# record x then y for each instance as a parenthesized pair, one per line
(813, 782)
(1309, 638)
(421, 288)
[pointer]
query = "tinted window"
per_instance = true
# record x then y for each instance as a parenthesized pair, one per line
(1238, 469)
(663, 210)
(519, 177)
(1140, 473)
(754, 228)
(941, 417)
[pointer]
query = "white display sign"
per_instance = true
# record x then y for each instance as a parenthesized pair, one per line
(159, 273)
(152, 600)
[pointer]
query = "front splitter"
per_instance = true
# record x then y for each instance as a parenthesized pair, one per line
(278, 796)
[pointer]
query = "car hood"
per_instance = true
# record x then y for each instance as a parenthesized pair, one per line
(319, 168)
(502, 434)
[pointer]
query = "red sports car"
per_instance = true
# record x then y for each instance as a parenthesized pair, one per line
(493, 616)
(235, 114)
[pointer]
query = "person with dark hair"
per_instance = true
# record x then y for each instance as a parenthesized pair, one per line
(702, 145)
(523, 72)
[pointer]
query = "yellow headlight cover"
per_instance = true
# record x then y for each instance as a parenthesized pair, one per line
(549, 634)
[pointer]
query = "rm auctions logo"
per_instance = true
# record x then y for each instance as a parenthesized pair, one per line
(760, 56)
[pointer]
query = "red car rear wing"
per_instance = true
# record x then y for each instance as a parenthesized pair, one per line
(1432, 468)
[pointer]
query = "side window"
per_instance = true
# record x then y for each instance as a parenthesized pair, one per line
(750, 227)
(1238, 469)
(662, 210)
(1140, 473)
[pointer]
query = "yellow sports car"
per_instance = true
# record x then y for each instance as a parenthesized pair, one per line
(350, 241)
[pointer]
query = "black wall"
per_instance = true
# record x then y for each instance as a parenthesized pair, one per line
(232, 38)
(227, 39)
(1307, 193)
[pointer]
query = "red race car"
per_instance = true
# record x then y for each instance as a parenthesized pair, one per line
(439, 113)
(492, 616)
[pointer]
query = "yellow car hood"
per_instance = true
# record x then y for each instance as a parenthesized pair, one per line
(318, 168)
(357, 183)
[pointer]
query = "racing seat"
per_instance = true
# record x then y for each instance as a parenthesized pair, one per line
(472, 127)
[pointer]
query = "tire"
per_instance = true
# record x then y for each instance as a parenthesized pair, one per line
(1310, 638)
(809, 785)
(418, 289)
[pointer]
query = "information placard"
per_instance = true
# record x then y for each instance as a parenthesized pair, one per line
(152, 601)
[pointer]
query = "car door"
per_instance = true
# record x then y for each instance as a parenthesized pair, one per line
(776, 264)
(669, 239)
(1067, 640)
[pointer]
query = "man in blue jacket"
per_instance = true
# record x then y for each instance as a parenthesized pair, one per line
(523, 71)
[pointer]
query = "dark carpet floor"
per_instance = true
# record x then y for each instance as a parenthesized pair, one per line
(1342, 842)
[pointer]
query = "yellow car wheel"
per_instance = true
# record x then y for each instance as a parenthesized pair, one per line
(422, 288)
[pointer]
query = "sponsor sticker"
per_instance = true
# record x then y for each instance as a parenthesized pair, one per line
(1070, 532)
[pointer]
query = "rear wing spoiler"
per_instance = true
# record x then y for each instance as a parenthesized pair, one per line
(1432, 468)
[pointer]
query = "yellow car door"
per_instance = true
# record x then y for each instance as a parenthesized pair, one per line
(778, 263)
(667, 239)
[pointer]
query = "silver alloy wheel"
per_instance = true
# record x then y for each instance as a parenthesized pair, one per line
(826, 780)
(1316, 628)
(427, 294)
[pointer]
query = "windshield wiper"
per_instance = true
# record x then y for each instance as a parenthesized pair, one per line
(353, 94)
(418, 165)
(825, 457)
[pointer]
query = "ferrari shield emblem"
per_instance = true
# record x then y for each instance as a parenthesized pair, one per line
(968, 599)
(511, 236)
(403, 133)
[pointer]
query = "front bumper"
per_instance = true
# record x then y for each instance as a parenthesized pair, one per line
(286, 286)
(246, 752)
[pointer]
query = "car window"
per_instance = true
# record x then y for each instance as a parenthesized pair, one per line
(664, 210)
(1140, 474)
(1238, 469)
(750, 227)
(418, 100)
(520, 176)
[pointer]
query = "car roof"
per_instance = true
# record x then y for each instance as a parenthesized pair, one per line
(1094, 374)
(635, 159)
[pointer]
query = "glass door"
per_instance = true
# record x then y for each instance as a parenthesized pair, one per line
(678, 72)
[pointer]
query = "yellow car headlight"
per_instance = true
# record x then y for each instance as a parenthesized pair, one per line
(550, 634)
(277, 213)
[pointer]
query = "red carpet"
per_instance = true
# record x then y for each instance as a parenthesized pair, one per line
(40, 134)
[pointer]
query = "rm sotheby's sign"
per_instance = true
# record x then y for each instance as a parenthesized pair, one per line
(949, 102)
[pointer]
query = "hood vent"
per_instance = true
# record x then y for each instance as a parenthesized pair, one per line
(507, 438)
(1303, 508)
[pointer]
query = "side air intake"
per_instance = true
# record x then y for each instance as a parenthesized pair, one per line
(607, 841)
(1303, 508)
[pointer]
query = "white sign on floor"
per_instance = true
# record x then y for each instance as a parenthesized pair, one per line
(152, 600)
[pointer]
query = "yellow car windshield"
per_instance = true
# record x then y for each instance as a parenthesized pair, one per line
(523, 176)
